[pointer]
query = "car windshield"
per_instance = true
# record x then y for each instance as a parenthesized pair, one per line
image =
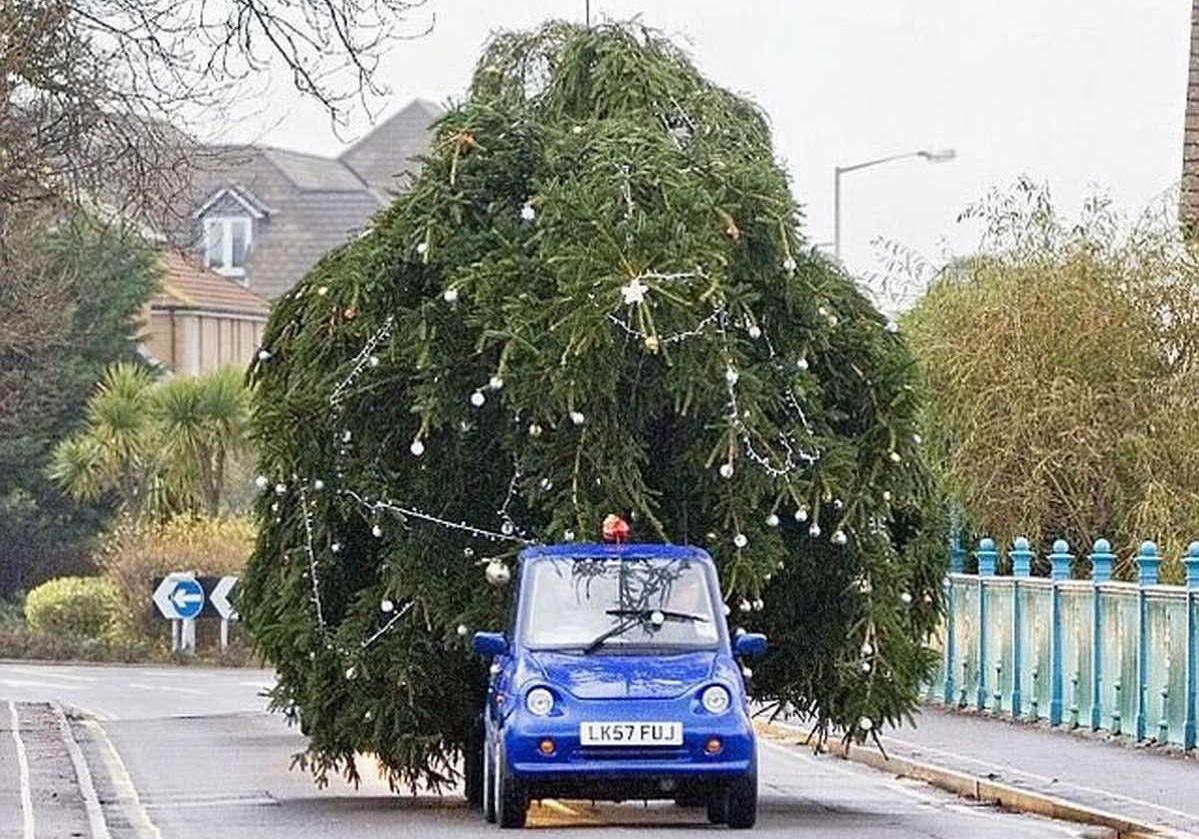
(611, 604)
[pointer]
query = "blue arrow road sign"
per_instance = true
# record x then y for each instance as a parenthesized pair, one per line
(188, 598)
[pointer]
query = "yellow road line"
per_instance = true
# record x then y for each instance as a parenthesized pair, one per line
(123, 784)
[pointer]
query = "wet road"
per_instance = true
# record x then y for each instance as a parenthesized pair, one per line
(190, 753)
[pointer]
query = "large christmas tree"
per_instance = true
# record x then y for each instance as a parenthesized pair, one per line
(594, 298)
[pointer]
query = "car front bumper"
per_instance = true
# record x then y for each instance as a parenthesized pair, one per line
(629, 771)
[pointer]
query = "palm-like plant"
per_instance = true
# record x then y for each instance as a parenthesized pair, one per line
(114, 451)
(202, 424)
(159, 446)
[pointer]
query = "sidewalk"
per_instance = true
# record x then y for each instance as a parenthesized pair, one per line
(1140, 784)
(40, 792)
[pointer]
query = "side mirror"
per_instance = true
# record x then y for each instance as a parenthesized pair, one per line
(494, 643)
(749, 644)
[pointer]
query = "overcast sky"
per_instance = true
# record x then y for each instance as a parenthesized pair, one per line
(1076, 93)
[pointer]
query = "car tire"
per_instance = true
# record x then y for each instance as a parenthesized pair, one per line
(472, 768)
(489, 782)
(512, 799)
(718, 807)
(741, 802)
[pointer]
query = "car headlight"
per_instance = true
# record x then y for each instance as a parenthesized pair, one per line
(539, 701)
(715, 699)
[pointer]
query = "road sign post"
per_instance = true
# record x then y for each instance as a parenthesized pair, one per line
(221, 599)
(188, 646)
(180, 598)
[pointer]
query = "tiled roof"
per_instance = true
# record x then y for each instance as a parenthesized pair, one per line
(385, 154)
(311, 204)
(187, 285)
(312, 173)
(303, 228)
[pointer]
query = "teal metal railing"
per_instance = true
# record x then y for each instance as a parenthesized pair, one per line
(1076, 653)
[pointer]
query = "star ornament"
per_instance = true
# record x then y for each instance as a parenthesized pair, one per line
(633, 292)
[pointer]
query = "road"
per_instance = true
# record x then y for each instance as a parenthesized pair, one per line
(190, 753)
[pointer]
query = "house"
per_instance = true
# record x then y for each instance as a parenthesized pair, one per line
(199, 320)
(263, 216)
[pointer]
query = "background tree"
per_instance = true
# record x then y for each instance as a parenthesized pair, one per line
(157, 447)
(1060, 374)
(97, 102)
(68, 308)
(97, 97)
(594, 298)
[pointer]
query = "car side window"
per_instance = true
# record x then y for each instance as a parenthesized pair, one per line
(513, 597)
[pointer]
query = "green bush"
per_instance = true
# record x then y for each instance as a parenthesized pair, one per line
(73, 607)
(1060, 366)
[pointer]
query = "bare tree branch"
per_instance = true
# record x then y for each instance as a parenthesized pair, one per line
(97, 97)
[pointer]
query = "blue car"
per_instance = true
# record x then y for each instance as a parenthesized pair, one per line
(616, 680)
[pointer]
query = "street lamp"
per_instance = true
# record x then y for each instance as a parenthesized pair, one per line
(931, 155)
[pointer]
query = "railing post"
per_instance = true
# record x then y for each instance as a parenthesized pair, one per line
(957, 561)
(1191, 562)
(1021, 555)
(1059, 570)
(1102, 560)
(987, 556)
(1148, 563)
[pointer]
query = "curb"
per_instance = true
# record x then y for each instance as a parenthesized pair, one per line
(983, 789)
(87, 789)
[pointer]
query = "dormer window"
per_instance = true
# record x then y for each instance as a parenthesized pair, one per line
(227, 244)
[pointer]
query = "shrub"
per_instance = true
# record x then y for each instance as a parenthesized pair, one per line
(72, 607)
(136, 552)
(1060, 373)
(17, 641)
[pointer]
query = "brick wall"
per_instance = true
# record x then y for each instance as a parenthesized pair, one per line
(1189, 199)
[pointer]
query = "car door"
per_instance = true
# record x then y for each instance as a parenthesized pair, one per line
(499, 685)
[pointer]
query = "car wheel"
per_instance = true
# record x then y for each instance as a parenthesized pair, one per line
(489, 782)
(512, 799)
(741, 807)
(472, 769)
(718, 807)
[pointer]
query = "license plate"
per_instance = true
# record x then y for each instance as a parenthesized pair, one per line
(631, 733)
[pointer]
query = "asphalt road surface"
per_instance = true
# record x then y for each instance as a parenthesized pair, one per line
(190, 753)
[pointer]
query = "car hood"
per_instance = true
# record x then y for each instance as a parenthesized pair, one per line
(602, 676)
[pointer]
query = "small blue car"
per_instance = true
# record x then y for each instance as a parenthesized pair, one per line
(616, 680)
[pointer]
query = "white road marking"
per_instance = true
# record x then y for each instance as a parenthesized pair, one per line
(122, 783)
(1056, 782)
(264, 685)
(91, 802)
(228, 801)
(50, 672)
(1017, 773)
(168, 689)
(859, 773)
(169, 673)
(30, 683)
(23, 768)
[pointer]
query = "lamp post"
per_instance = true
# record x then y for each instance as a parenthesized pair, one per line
(931, 155)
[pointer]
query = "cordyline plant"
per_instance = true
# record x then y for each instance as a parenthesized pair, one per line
(158, 447)
(1060, 373)
(592, 299)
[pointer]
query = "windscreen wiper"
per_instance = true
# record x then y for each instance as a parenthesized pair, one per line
(647, 614)
(610, 633)
(637, 616)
